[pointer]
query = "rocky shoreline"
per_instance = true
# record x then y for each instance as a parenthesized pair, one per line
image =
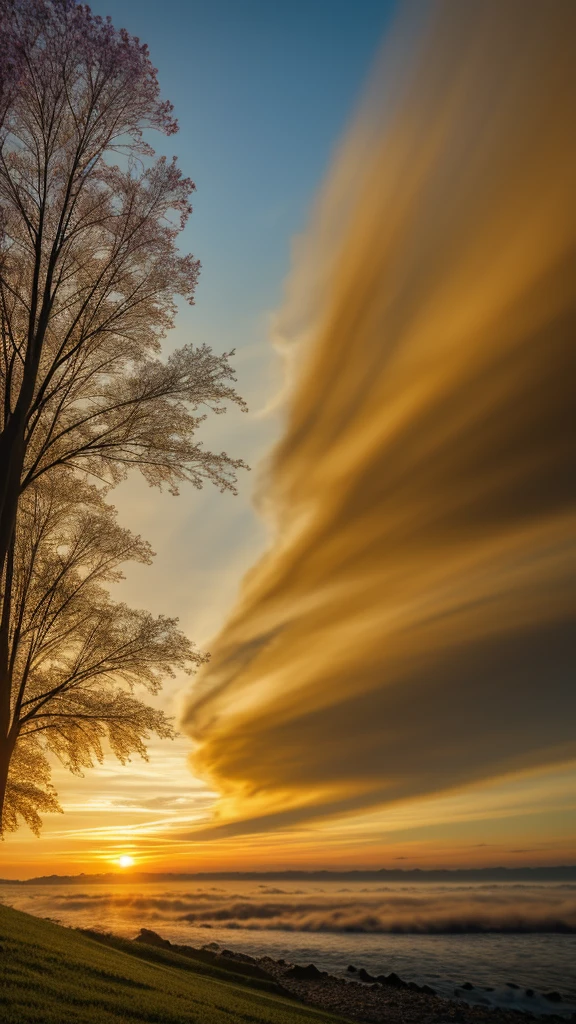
(385, 999)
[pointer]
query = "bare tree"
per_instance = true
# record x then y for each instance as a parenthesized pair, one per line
(89, 272)
(75, 655)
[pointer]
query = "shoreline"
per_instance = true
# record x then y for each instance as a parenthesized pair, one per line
(360, 996)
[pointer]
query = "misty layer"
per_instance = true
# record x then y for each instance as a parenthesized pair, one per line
(409, 911)
(411, 627)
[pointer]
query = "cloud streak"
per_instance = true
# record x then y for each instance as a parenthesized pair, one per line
(410, 629)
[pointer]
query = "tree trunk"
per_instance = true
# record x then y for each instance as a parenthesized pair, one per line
(11, 463)
(6, 751)
(7, 741)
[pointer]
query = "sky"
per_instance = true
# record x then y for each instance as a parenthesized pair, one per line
(326, 746)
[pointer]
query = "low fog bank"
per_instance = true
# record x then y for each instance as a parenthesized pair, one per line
(386, 910)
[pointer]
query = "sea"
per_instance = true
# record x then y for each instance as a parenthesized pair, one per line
(515, 943)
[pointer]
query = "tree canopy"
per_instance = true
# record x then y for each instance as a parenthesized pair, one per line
(76, 655)
(90, 274)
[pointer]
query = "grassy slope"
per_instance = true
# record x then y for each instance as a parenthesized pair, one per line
(54, 975)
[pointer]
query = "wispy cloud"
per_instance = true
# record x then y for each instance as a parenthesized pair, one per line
(410, 630)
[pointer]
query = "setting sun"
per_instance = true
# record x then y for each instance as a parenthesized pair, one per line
(125, 861)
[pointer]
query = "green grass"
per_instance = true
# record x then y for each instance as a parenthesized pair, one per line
(55, 975)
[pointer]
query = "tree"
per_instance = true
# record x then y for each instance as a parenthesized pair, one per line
(75, 655)
(89, 274)
(12, 52)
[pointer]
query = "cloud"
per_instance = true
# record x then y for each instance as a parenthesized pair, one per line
(410, 629)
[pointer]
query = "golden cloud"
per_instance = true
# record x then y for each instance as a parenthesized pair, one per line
(410, 629)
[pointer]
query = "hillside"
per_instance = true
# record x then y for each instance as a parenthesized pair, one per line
(55, 975)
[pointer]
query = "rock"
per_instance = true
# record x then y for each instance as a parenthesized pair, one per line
(281, 963)
(428, 991)
(243, 958)
(530, 993)
(351, 969)
(364, 976)
(414, 987)
(553, 997)
(309, 973)
(468, 986)
(392, 979)
(510, 984)
(212, 947)
(152, 939)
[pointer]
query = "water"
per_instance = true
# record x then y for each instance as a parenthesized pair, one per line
(334, 925)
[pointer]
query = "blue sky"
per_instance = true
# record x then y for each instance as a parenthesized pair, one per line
(263, 91)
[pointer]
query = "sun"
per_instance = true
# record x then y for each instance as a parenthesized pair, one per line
(125, 861)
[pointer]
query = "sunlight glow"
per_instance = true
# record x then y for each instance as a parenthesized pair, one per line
(125, 861)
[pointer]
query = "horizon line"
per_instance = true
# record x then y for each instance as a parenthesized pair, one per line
(126, 876)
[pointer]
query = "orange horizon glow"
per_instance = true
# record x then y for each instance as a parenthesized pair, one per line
(528, 820)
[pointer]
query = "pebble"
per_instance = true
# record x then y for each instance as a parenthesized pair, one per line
(385, 1001)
